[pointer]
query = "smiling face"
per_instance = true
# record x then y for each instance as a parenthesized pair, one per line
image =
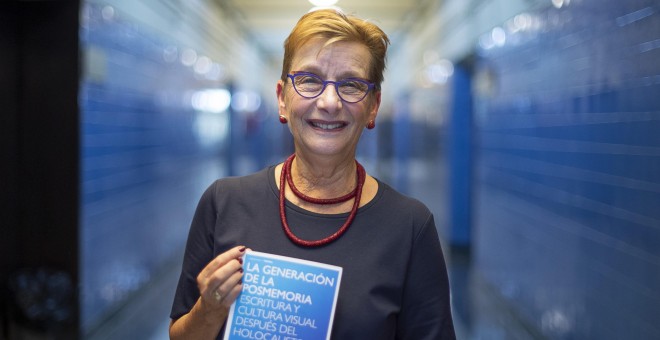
(326, 125)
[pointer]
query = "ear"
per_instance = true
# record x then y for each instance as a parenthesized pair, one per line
(279, 90)
(374, 109)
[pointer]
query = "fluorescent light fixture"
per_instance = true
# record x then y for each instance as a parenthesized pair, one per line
(323, 3)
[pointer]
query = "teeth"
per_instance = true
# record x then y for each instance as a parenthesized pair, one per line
(327, 126)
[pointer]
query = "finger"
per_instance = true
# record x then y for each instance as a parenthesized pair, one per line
(232, 290)
(224, 292)
(222, 259)
(224, 274)
(232, 295)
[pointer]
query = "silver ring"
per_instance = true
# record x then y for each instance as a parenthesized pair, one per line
(217, 296)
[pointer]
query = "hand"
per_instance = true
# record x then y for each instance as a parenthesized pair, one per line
(220, 281)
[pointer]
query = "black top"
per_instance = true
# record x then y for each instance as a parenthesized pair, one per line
(394, 281)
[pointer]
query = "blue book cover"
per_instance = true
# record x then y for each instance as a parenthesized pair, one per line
(284, 298)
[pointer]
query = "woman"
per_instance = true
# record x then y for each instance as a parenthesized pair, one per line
(320, 205)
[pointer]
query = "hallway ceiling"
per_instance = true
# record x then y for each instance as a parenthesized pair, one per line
(270, 21)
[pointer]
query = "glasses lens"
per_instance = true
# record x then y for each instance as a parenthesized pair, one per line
(353, 90)
(307, 85)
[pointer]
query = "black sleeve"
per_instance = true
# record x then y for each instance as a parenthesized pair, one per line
(426, 309)
(198, 253)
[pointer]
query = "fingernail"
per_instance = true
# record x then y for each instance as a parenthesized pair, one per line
(240, 260)
(240, 282)
(242, 249)
(240, 270)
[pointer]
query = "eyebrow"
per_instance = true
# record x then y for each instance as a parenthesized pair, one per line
(348, 75)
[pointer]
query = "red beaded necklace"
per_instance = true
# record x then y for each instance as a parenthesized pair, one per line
(357, 193)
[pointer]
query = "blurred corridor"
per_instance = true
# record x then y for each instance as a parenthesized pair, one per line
(529, 128)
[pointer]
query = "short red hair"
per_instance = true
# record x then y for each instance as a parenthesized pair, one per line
(333, 25)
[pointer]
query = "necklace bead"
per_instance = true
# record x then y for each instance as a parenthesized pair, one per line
(357, 194)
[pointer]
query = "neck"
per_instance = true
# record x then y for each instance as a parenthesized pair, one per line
(285, 176)
(324, 178)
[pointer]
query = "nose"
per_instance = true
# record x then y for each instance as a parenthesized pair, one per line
(329, 98)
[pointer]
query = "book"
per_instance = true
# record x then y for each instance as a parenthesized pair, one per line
(284, 298)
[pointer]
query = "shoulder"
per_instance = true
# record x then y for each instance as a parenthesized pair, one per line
(399, 212)
(403, 203)
(235, 187)
(247, 182)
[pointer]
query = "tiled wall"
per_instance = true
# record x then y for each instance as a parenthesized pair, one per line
(567, 180)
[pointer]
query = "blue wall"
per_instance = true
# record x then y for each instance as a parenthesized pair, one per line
(567, 183)
(146, 157)
(460, 158)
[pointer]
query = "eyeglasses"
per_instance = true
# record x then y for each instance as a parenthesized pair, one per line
(350, 90)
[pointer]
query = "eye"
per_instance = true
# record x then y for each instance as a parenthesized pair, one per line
(353, 86)
(307, 79)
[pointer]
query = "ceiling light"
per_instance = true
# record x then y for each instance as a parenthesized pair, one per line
(323, 3)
